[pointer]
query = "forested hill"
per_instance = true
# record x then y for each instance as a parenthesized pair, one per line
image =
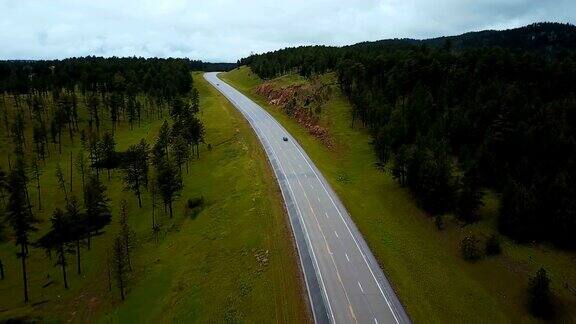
(210, 67)
(539, 37)
(448, 121)
(544, 38)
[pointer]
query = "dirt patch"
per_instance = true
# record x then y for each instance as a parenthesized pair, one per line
(302, 102)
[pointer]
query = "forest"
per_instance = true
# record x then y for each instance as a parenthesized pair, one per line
(46, 107)
(453, 116)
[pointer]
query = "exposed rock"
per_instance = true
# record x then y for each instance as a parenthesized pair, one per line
(297, 101)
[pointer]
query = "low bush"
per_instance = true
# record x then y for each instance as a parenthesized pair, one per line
(439, 222)
(469, 248)
(540, 296)
(195, 202)
(493, 246)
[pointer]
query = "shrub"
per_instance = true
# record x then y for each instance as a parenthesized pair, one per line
(493, 245)
(540, 296)
(195, 202)
(439, 222)
(469, 248)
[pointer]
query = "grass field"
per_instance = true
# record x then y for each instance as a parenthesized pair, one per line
(424, 264)
(232, 262)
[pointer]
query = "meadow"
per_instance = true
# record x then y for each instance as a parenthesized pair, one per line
(231, 261)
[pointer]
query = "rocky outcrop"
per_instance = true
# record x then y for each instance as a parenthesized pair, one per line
(302, 102)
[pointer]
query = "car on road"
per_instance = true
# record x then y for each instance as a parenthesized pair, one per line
(285, 139)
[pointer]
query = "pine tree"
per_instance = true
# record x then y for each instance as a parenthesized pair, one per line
(20, 218)
(82, 167)
(96, 205)
(120, 265)
(181, 152)
(57, 239)
(194, 101)
(128, 236)
(135, 166)
(76, 218)
(161, 147)
(169, 183)
(37, 172)
(61, 181)
(107, 157)
(93, 104)
(469, 199)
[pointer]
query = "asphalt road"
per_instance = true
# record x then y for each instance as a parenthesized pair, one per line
(343, 279)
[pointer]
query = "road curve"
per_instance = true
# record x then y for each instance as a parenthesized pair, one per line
(344, 281)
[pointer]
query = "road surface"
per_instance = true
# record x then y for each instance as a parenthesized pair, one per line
(343, 279)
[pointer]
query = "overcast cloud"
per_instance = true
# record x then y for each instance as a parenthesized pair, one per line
(225, 30)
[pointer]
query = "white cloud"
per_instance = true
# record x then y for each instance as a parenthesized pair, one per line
(225, 30)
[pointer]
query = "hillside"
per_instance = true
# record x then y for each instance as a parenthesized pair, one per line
(422, 105)
(424, 264)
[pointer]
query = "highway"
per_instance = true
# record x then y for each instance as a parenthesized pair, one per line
(343, 279)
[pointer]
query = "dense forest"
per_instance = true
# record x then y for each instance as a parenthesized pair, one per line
(48, 105)
(161, 77)
(454, 115)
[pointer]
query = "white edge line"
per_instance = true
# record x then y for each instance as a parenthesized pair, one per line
(354, 238)
(283, 196)
(335, 206)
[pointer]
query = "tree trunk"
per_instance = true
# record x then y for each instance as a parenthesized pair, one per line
(83, 185)
(63, 264)
(128, 256)
(109, 277)
(78, 268)
(121, 281)
(71, 170)
(24, 277)
(38, 187)
(29, 204)
(170, 207)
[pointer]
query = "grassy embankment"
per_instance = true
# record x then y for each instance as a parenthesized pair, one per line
(424, 264)
(234, 261)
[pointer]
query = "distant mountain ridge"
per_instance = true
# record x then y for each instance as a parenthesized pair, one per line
(536, 37)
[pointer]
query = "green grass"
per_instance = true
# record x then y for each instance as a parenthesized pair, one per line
(232, 262)
(88, 292)
(424, 265)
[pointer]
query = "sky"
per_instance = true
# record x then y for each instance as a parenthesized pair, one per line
(226, 30)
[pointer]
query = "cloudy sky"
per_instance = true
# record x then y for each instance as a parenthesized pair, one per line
(225, 30)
